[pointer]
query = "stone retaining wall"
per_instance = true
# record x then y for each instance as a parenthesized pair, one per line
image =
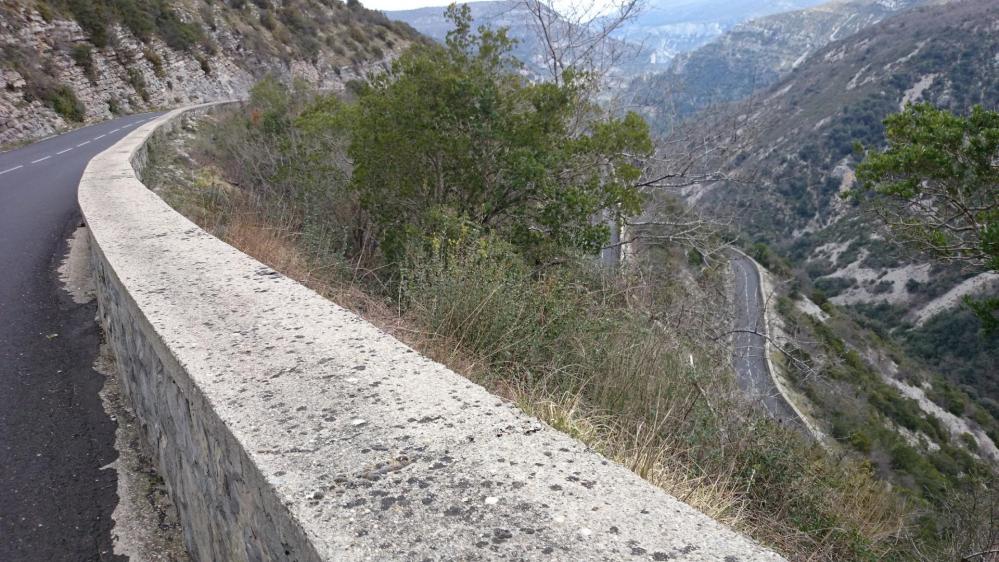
(288, 428)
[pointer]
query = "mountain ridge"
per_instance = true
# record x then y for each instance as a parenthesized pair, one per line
(750, 57)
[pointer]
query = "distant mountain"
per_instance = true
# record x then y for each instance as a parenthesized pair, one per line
(513, 15)
(672, 27)
(752, 56)
(796, 156)
(661, 31)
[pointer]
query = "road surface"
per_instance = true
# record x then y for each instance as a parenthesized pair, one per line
(749, 359)
(55, 499)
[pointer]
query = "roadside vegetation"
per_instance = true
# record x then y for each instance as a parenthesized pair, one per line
(450, 202)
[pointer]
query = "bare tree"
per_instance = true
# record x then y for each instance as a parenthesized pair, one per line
(667, 221)
(579, 36)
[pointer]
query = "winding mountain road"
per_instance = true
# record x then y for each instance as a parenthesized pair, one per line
(749, 347)
(56, 497)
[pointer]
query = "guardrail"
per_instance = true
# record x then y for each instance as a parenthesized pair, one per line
(287, 428)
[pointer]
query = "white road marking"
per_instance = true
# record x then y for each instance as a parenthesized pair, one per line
(64, 151)
(99, 137)
(41, 159)
(11, 169)
(83, 143)
(115, 131)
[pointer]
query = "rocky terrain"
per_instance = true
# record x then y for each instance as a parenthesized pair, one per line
(750, 57)
(63, 63)
(797, 137)
(794, 160)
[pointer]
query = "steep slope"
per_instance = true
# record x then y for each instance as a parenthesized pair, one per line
(797, 157)
(65, 61)
(751, 57)
(799, 134)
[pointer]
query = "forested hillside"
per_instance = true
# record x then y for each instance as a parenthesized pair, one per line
(70, 61)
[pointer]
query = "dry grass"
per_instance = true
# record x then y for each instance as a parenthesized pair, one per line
(627, 388)
(641, 450)
(639, 445)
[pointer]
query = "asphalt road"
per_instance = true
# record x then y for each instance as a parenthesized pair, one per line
(749, 359)
(55, 499)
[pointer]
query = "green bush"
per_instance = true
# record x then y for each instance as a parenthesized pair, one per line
(969, 441)
(138, 83)
(450, 121)
(62, 99)
(93, 18)
(203, 63)
(904, 457)
(83, 56)
(144, 18)
(45, 11)
(155, 60)
(267, 20)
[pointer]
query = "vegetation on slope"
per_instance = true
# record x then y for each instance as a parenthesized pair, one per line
(798, 158)
(622, 361)
(851, 376)
(299, 28)
(797, 133)
(936, 187)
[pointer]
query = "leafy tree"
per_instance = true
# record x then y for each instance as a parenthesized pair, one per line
(936, 186)
(454, 135)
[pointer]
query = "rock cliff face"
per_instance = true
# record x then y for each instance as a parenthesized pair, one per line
(53, 75)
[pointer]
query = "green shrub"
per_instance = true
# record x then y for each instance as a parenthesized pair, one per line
(63, 101)
(904, 457)
(358, 36)
(45, 11)
(83, 56)
(93, 18)
(138, 83)
(267, 20)
(155, 60)
(203, 63)
(969, 441)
